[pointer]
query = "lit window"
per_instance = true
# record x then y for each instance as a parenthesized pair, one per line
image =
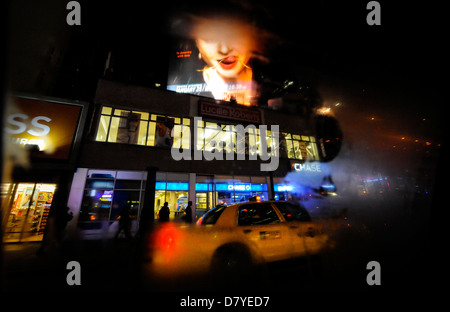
(299, 147)
(141, 128)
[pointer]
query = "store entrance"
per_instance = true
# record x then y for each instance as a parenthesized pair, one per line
(203, 202)
(175, 194)
(204, 194)
(28, 215)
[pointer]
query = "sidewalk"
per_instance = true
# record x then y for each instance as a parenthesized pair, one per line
(105, 265)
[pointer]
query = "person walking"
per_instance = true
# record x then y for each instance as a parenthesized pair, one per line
(164, 213)
(125, 222)
(188, 213)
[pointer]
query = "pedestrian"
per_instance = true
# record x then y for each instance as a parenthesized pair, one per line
(125, 222)
(62, 217)
(54, 232)
(188, 213)
(164, 213)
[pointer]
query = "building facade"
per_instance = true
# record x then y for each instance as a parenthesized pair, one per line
(157, 146)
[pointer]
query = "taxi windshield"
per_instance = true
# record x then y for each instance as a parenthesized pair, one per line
(211, 216)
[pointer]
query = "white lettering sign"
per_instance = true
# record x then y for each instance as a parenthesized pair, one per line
(312, 167)
(17, 121)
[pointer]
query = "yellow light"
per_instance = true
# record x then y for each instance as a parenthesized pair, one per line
(324, 110)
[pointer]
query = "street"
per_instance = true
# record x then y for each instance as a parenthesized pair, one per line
(397, 241)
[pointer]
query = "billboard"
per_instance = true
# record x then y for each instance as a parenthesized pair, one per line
(49, 126)
(213, 59)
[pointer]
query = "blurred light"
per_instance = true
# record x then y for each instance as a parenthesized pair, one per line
(166, 237)
(324, 110)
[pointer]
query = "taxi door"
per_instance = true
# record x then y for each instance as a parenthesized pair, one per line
(261, 225)
(307, 236)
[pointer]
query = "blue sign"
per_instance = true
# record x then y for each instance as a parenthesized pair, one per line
(283, 188)
(242, 187)
(203, 187)
(160, 186)
(172, 186)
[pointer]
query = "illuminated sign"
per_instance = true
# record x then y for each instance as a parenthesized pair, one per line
(306, 167)
(49, 126)
(213, 59)
(172, 186)
(203, 187)
(242, 187)
(283, 188)
(228, 112)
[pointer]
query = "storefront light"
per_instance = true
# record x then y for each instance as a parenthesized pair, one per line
(160, 186)
(172, 186)
(203, 187)
(177, 186)
(283, 188)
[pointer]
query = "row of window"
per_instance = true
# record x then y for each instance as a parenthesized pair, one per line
(143, 128)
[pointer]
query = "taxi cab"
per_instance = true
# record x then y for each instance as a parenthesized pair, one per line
(236, 237)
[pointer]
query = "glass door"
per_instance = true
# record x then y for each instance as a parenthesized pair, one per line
(204, 194)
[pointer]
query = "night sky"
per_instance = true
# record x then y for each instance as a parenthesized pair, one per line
(327, 42)
(385, 77)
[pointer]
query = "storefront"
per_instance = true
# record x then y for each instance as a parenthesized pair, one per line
(236, 189)
(283, 191)
(103, 194)
(172, 188)
(45, 134)
(28, 215)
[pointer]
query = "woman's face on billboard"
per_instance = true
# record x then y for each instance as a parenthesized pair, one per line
(225, 46)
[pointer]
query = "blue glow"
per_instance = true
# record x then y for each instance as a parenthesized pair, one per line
(160, 186)
(203, 187)
(172, 186)
(242, 187)
(222, 187)
(177, 186)
(283, 188)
